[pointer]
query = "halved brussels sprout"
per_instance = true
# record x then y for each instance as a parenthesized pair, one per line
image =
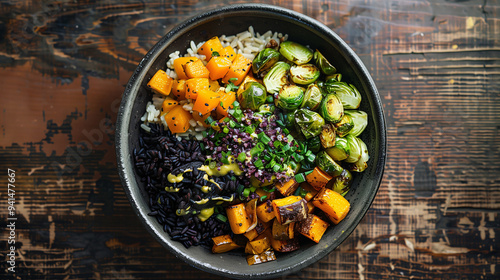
(314, 144)
(304, 74)
(327, 136)
(359, 119)
(337, 77)
(354, 148)
(295, 52)
(331, 108)
(327, 164)
(341, 149)
(362, 163)
(309, 122)
(312, 97)
(342, 183)
(290, 97)
(348, 94)
(264, 60)
(276, 78)
(253, 95)
(345, 125)
(323, 64)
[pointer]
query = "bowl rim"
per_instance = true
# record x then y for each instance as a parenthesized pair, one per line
(122, 143)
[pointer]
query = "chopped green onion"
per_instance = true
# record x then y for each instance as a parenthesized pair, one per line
(280, 123)
(298, 157)
(285, 130)
(242, 156)
(225, 130)
(232, 124)
(221, 218)
(311, 157)
(300, 178)
(263, 138)
(252, 189)
(249, 129)
(277, 168)
(308, 172)
(268, 190)
(286, 147)
(246, 192)
(258, 163)
(277, 144)
(263, 197)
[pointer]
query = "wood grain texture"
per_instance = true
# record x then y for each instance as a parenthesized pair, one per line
(63, 67)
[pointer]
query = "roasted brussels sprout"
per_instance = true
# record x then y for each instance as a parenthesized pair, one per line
(327, 136)
(342, 183)
(354, 148)
(312, 97)
(359, 119)
(304, 74)
(348, 94)
(362, 163)
(309, 122)
(290, 97)
(295, 52)
(327, 164)
(331, 108)
(314, 144)
(265, 59)
(323, 64)
(337, 77)
(253, 95)
(276, 78)
(341, 149)
(345, 125)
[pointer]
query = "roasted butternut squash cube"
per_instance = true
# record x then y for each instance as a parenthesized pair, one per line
(312, 227)
(265, 211)
(290, 209)
(238, 218)
(333, 204)
(288, 187)
(258, 246)
(223, 243)
(285, 246)
(161, 83)
(318, 178)
(283, 232)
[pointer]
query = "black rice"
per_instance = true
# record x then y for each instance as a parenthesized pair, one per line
(160, 153)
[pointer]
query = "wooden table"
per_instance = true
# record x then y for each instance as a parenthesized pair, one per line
(437, 67)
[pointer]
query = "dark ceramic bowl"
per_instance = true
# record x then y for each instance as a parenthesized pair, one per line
(232, 20)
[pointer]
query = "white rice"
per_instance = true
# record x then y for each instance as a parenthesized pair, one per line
(247, 43)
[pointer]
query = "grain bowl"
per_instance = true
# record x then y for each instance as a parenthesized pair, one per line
(144, 117)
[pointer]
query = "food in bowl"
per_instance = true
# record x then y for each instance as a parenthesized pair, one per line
(250, 141)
